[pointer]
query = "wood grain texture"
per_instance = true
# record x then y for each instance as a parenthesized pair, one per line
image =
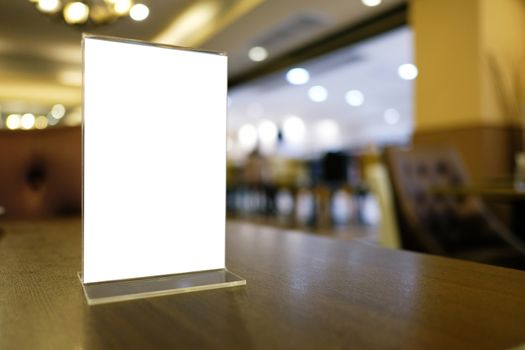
(303, 292)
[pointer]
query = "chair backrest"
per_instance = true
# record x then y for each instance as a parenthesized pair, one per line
(40, 172)
(431, 222)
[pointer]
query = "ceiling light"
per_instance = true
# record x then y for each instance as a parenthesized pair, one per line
(139, 12)
(257, 54)
(407, 71)
(294, 130)
(13, 121)
(58, 111)
(328, 133)
(327, 129)
(355, 98)
(51, 120)
(90, 13)
(247, 137)
(297, 76)
(41, 122)
(371, 3)
(76, 12)
(122, 6)
(391, 116)
(318, 93)
(27, 121)
(48, 6)
(267, 131)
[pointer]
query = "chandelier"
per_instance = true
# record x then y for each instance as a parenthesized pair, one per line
(90, 13)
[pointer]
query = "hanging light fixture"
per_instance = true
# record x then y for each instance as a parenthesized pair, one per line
(91, 13)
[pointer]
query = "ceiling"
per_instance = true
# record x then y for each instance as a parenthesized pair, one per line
(40, 58)
(370, 67)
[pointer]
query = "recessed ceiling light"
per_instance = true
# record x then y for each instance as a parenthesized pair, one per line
(407, 71)
(371, 3)
(247, 137)
(122, 6)
(297, 76)
(391, 116)
(41, 122)
(318, 93)
(294, 129)
(355, 98)
(27, 121)
(327, 132)
(58, 111)
(258, 54)
(267, 131)
(48, 6)
(76, 12)
(139, 12)
(13, 121)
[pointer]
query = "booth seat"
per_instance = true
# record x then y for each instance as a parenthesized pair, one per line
(40, 173)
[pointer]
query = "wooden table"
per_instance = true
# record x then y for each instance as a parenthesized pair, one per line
(303, 292)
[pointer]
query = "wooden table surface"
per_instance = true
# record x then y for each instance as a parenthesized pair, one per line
(303, 292)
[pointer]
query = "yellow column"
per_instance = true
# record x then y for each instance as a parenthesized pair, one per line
(470, 92)
(502, 28)
(447, 53)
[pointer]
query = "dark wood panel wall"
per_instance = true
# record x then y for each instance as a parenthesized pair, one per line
(487, 151)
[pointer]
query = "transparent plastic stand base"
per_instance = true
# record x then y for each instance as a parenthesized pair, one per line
(114, 291)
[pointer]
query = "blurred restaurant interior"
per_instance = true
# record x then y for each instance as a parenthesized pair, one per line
(331, 108)
(390, 123)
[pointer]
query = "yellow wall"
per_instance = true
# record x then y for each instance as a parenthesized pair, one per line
(468, 52)
(447, 46)
(502, 28)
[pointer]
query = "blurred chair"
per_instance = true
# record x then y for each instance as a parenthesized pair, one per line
(40, 172)
(454, 226)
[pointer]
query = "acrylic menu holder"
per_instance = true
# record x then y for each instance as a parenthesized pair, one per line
(154, 166)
